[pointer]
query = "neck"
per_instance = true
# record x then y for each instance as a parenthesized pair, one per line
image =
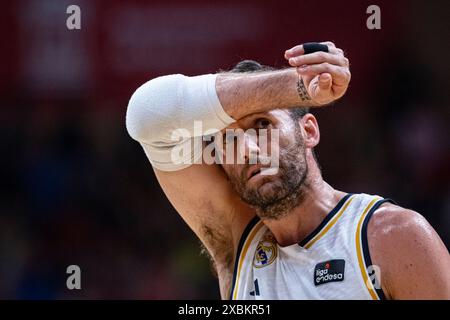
(318, 199)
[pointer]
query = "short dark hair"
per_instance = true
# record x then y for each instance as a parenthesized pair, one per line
(254, 66)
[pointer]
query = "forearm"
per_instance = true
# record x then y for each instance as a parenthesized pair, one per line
(161, 107)
(165, 104)
(241, 94)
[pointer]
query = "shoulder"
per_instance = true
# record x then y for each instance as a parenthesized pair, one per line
(405, 247)
(394, 223)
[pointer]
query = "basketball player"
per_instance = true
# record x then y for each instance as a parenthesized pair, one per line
(289, 235)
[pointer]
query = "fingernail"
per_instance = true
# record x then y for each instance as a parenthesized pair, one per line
(292, 60)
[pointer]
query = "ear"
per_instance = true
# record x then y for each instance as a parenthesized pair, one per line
(311, 130)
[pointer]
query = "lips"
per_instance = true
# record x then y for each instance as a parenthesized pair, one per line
(254, 170)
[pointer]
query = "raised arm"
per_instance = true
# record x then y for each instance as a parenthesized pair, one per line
(317, 79)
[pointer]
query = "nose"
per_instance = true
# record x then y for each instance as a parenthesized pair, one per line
(251, 147)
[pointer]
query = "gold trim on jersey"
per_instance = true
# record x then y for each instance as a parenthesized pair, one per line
(241, 258)
(359, 250)
(330, 223)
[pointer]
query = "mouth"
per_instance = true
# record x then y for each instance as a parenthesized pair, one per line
(260, 170)
(253, 171)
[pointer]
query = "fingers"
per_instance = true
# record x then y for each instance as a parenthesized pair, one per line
(321, 88)
(295, 51)
(340, 75)
(319, 57)
(299, 50)
(325, 81)
(325, 74)
(333, 63)
(332, 47)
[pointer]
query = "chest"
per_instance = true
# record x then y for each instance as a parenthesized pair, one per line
(297, 273)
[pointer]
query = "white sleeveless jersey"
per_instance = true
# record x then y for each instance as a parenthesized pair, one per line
(333, 262)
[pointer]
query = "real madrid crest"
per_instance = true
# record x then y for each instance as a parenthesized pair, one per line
(266, 251)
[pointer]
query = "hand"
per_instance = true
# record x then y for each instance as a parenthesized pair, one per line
(326, 75)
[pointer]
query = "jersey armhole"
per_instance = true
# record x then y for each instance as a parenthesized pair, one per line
(244, 236)
(365, 245)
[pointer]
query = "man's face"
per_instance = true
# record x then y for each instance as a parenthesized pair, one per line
(273, 195)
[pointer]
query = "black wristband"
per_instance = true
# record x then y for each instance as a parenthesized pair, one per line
(311, 47)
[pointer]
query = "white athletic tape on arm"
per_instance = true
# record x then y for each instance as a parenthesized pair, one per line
(165, 104)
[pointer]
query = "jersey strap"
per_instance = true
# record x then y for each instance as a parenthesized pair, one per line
(368, 270)
(244, 242)
(332, 217)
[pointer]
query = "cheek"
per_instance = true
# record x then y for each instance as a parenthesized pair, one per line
(288, 139)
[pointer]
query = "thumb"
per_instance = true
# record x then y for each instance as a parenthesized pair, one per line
(325, 81)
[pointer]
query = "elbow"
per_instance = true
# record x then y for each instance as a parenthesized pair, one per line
(150, 107)
(137, 115)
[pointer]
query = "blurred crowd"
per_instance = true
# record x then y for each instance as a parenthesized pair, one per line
(77, 190)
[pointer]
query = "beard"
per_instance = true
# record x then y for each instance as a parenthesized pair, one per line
(287, 186)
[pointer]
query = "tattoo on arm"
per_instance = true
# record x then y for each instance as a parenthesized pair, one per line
(301, 89)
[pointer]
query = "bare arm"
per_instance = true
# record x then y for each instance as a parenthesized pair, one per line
(205, 200)
(413, 260)
(318, 78)
(244, 94)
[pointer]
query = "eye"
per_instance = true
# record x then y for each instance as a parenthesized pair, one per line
(262, 123)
